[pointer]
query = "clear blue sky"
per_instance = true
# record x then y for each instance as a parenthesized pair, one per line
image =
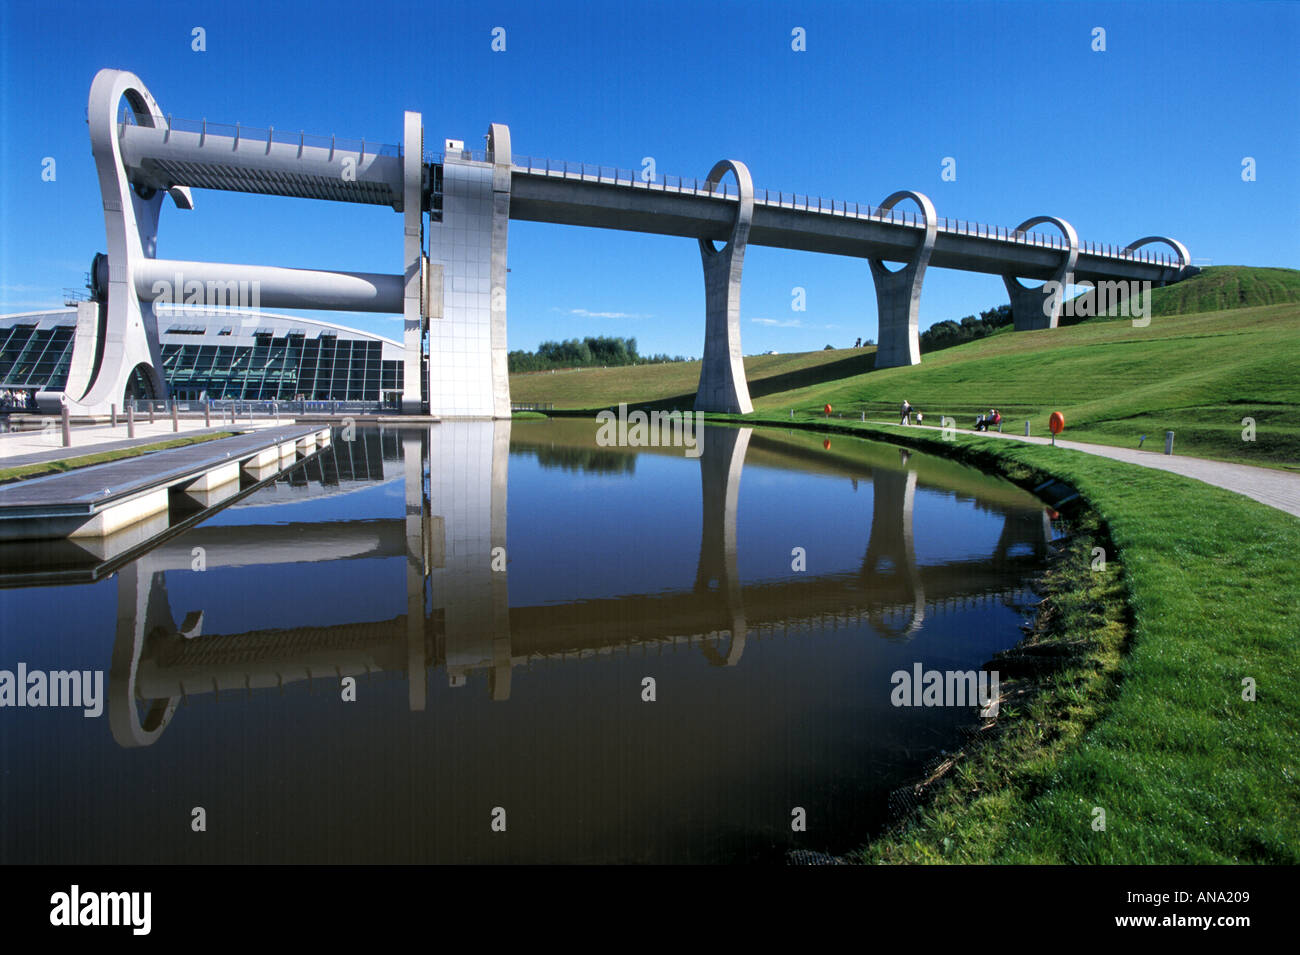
(1146, 137)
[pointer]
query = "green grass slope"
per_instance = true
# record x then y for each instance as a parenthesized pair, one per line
(675, 383)
(1196, 373)
(1225, 287)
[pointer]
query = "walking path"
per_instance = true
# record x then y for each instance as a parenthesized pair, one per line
(42, 446)
(1278, 489)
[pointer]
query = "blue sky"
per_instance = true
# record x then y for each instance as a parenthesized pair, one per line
(1146, 137)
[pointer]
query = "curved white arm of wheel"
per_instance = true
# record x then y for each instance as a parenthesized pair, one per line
(222, 284)
(1184, 258)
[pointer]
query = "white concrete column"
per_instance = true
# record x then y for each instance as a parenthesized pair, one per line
(413, 311)
(898, 294)
(723, 388)
(468, 374)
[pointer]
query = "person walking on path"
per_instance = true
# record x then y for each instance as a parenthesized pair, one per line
(907, 412)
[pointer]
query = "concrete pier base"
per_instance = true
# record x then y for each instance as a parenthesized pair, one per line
(216, 478)
(121, 515)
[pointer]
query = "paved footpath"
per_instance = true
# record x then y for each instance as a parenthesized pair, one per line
(38, 447)
(1279, 489)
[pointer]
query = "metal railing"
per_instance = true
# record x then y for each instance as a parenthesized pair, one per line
(269, 135)
(243, 409)
(616, 176)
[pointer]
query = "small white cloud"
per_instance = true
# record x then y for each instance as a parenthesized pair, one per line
(788, 323)
(584, 313)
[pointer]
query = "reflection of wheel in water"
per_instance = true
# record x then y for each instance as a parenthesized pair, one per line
(734, 649)
(129, 728)
(894, 633)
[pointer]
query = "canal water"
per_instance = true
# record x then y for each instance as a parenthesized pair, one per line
(506, 642)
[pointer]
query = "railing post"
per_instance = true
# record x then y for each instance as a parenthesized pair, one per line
(112, 412)
(151, 411)
(207, 413)
(130, 419)
(176, 421)
(67, 427)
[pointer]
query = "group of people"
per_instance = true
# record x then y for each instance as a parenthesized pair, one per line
(982, 422)
(17, 400)
(907, 413)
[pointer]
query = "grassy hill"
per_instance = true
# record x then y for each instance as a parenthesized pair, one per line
(676, 382)
(1223, 287)
(1197, 374)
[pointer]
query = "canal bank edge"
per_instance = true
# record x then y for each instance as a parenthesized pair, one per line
(1163, 730)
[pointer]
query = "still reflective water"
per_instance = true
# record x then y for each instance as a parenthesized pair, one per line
(501, 593)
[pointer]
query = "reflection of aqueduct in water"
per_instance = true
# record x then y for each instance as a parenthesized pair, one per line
(458, 614)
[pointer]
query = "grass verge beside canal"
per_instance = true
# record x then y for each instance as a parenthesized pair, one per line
(1137, 676)
(68, 464)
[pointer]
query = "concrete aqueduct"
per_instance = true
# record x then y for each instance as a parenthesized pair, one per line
(453, 296)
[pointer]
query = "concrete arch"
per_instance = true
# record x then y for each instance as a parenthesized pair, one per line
(898, 293)
(142, 611)
(1067, 231)
(931, 224)
(744, 206)
(723, 387)
(130, 335)
(1184, 257)
(1035, 308)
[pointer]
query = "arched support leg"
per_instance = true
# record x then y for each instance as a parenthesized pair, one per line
(723, 388)
(889, 570)
(898, 294)
(130, 338)
(1035, 308)
(721, 465)
(142, 609)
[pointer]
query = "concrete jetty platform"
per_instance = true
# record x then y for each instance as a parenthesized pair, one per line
(96, 501)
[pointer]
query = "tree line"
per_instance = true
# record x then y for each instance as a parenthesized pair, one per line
(947, 333)
(592, 351)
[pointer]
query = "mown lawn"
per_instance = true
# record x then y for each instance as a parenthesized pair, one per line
(85, 460)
